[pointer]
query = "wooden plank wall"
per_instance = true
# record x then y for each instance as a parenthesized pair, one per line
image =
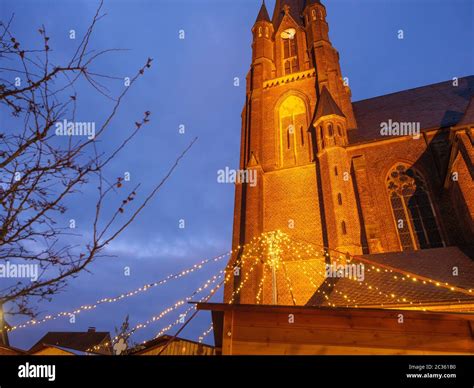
(325, 332)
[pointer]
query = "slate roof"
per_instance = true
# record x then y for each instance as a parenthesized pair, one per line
(81, 341)
(436, 264)
(263, 14)
(326, 105)
(468, 117)
(296, 11)
(434, 106)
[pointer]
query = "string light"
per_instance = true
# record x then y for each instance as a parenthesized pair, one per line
(142, 289)
(261, 285)
(288, 283)
(370, 287)
(167, 328)
(274, 250)
(279, 242)
(178, 304)
(205, 334)
(423, 279)
(193, 307)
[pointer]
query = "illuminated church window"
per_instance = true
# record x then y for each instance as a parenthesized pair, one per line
(413, 210)
(259, 32)
(293, 122)
(313, 14)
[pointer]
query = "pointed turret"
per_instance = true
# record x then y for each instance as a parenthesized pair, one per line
(330, 122)
(325, 58)
(262, 47)
(327, 106)
(263, 14)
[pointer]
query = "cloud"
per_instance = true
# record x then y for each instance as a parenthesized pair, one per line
(168, 248)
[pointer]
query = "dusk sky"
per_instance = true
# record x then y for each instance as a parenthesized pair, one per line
(191, 82)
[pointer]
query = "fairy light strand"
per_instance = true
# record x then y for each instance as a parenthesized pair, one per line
(142, 289)
(205, 334)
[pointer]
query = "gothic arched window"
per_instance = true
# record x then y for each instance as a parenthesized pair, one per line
(330, 130)
(412, 208)
(293, 121)
(313, 14)
(339, 199)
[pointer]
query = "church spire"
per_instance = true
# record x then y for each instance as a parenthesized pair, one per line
(263, 14)
(326, 105)
(296, 8)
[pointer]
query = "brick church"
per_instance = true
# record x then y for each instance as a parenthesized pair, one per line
(388, 179)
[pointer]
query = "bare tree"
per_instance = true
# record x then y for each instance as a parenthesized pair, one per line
(39, 170)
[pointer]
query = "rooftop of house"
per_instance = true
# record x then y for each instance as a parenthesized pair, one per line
(161, 341)
(78, 341)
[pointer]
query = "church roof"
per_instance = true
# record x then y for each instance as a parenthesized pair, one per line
(436, 264)
(326, 105)
(296, 11)
(434, 106)
(468, 117)
(263, 14)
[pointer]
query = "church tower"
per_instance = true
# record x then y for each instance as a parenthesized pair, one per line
(295, 121)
